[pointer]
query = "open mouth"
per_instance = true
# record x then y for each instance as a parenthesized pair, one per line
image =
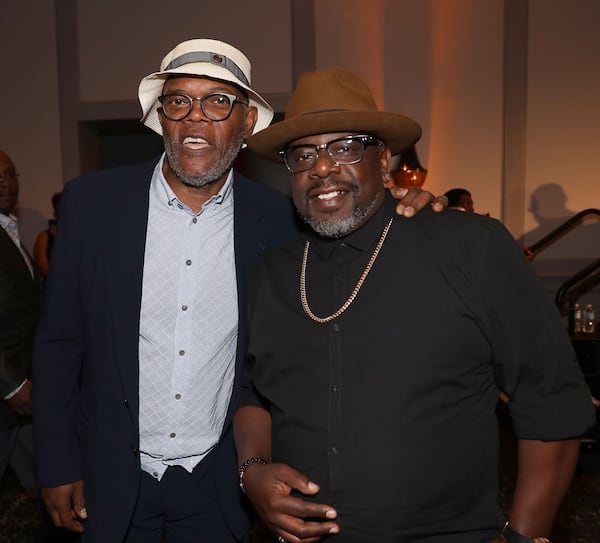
(195, 143)
(330, 195)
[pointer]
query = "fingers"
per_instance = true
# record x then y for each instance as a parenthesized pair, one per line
(79, 501)
(67, 518)
(412, 200)
(305, 510)
(66, 506)
(309, 532)
(295, 530)
(301, 483)
(440, 203)
(299, 520)
(274, 488)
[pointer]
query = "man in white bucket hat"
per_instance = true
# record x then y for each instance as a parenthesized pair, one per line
(137, 351)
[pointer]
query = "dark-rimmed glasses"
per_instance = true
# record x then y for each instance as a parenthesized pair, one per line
(216, 106)
(342, 151)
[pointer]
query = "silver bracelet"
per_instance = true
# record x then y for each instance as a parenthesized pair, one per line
(242, 469)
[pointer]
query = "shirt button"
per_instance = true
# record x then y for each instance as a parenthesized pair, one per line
(155, 474)
(184, 308)
(333, 451)
(178, 396)
(335, 327)
(172, 434)
(182, 352)
(188, 262)
(194, 220)
(335, 389)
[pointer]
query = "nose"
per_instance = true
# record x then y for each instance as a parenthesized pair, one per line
(324, 164)
(196, 113)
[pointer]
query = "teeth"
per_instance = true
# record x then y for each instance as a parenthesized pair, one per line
(329, 195)
(194, 140)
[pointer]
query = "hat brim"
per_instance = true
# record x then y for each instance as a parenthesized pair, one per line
(151, 86)
(397, 131)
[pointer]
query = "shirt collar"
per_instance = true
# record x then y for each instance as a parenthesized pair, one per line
(167, 197)
(8, 221)
(362, 239)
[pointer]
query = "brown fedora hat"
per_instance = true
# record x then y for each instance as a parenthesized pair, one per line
(334, 100)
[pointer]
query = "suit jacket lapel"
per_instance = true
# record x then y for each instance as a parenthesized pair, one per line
(11, 249)
(125, 264)
(249, 244)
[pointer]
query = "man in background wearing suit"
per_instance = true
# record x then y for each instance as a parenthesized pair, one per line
(20, 299)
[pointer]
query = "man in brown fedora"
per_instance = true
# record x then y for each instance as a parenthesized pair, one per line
(343, 437)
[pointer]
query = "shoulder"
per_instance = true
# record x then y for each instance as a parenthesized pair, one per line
(264, 203)
(89, 196)
(251, 190)
(109, 181)
(452, 226)
(462, 240)
(42, 237)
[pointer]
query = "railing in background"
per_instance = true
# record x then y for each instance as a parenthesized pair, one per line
(580, 282)
(532, 251)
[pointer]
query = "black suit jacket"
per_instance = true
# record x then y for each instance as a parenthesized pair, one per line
(86, 356)
(20, 298)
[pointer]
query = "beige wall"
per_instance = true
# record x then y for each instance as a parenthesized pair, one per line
(112, 63)
(563, 123)
(30, 126)
(443, 62)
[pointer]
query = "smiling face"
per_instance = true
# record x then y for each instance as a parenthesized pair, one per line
(9, 185)
(337, 199)
(199, 151)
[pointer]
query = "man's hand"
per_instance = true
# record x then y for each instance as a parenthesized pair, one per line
(66, 505)
(296, 520)
(20, 403)
(414, 199)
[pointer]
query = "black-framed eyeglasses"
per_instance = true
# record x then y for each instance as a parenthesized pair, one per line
(8, 174)
(342, 151)
(216, 106)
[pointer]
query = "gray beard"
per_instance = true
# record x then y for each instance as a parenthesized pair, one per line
(219, 168)
(340, 227)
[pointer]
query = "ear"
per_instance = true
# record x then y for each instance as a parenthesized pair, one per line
(161, 118)
(251, 118)
(385, 160)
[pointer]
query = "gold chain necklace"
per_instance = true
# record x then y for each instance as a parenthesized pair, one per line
(352, 296)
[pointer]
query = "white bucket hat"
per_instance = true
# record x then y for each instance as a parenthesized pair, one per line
(210, 58)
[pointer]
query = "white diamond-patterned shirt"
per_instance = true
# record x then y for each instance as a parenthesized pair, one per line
(188, 327)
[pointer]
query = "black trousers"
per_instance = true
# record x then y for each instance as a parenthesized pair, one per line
(182, 507)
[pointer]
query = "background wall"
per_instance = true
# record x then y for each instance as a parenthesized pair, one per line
(506, 92)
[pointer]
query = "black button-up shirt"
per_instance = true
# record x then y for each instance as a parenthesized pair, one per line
(390, 407)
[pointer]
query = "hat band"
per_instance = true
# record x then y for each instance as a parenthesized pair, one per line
(212, 58)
